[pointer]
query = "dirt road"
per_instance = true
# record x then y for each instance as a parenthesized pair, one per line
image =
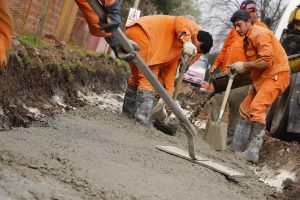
(89, 153)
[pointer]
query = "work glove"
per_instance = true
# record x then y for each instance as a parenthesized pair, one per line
(120, 52)
(237, 67)
(113, 17)
(189, 48)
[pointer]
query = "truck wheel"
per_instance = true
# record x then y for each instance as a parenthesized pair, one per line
(270, 115)
(278, 115)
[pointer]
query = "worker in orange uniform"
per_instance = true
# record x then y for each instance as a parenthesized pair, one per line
(232, 52)
(268, 64)
(99, 27)
(162, 38)
(5, 32)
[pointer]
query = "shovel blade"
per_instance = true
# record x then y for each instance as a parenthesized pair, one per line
(216, 134)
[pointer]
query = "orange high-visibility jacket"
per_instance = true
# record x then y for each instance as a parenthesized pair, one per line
(165, 34)
(233, 49)
(5, 31)
(92, 18)
(263, 45)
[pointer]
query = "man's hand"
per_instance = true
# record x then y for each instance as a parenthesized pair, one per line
(119, 51)
(212, 70)
(237, 67)
(113, 17)
(189, 48)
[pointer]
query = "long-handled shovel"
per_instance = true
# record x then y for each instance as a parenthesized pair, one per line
(216, 131)
(163, 121)
(184, 122)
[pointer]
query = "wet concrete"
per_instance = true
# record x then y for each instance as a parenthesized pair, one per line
(89, 153)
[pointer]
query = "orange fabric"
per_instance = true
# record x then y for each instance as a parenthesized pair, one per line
(158, 37)
(233, 49)
(255, 105)
(92, 18)
(163, 32)
(261, 44)
(5, 32)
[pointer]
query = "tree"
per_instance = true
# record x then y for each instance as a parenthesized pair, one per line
(167, 7)
(218, 19)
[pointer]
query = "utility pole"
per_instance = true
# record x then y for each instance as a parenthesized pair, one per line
(136, 4)
(42, 18)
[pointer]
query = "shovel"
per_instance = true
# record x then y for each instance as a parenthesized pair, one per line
(165, 123)
(216, 131)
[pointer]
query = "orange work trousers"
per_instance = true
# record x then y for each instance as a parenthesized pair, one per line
(164, 72)
(255, 105)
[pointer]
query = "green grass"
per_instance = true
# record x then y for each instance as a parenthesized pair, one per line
(31, 40)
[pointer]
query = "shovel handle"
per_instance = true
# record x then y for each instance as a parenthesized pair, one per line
(227, 92)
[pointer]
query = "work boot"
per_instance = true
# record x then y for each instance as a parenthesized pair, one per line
(144, 104)
(129, 103)
(241, 136)
(252, 152)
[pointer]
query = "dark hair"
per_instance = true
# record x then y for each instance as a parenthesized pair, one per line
(206, 39)
(240, 15)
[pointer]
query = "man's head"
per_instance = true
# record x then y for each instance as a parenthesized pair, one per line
(241, 21)
(206, 41)
(250, 7)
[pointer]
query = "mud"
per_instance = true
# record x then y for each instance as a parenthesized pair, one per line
(89, 153)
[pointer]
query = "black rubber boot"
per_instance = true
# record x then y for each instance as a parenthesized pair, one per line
(144, 104)
(129, 103)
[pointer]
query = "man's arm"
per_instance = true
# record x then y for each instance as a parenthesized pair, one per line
(185, 28)
(220, 59)
(5, 32)
(264, 47)
(112, 9)
(91, 18)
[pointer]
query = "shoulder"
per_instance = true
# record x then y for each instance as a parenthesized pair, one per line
(260, 23)
(259, 31)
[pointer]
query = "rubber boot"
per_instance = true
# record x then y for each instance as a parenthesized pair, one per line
(252, 152)
(129, 103)
(236, 97)
(241, 136)
(144, 104)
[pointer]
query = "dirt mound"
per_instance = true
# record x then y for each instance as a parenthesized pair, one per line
(43, 81)
(280, 166)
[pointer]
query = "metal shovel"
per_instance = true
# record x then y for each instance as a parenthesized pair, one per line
(216, 131)
(170, 125)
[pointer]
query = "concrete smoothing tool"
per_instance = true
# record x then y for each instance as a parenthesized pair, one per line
(216, 131)
(190, 130)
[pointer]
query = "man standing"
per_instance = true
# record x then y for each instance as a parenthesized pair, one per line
(5, 32)
(232, 52)
(162, 38)
(268, 64)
